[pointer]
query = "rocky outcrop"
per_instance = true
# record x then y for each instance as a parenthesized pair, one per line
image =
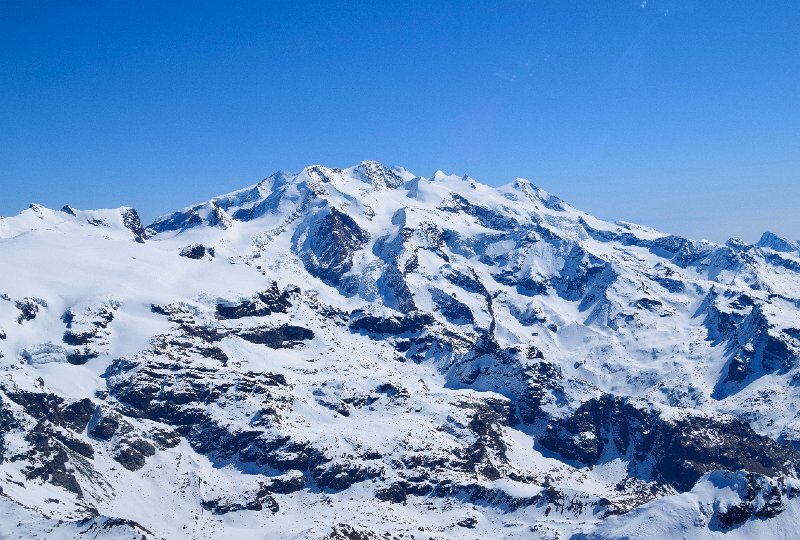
(197, 251)
(282, 337)
(29, 308)
(677, 452)
(264, 303)
(132, 222)
(327, 244)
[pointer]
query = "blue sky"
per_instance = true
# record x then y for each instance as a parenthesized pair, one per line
(683, 115)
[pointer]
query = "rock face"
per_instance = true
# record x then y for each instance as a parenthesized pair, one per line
(364, 353)
(675, 452)
(130, 218)
(327, 246)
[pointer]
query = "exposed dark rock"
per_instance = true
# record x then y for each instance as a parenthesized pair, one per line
(42, 406)
(104, 523)
(793, 333)
(165, 438)
(337, 406)
(29, 308)
(498, 382)
(497, 498)
(753, 349)
(49, 411)
(487, 455)
(213, 352)
(396, 325)
(105, 428)
(7, 423)
(196, 251)
(648, 303)
(270, 301)
(75, 339)
(468, 283)
(544, 385)
(177, 221)
(158, 393)
(524, 285)
(395, 493)
(87, 330)
(282, 337)
(683, 251)
(783, 262)
(143, 447)
(48, 459)
(76, 415)
(130, 458)
(130, 218)
(78, 358)
(328, 245)
(391, 391)
(454, 311)
(393, 281)
(218, 218)
(179, 315)
(348, 532)
(287, 484)
(341, 475)
(257, 501)
(468, 523)
(679, 250)
(379, 176)
(485, 216)
(676, 452)
(670, 284)
(279, 453)
(76, 445)
(760, 498)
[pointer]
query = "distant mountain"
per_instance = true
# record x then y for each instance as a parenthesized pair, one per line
(363, 353)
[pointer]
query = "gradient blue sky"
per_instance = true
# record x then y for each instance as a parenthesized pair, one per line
(683, 115)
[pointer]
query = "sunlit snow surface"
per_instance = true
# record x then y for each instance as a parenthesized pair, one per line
(619, 309)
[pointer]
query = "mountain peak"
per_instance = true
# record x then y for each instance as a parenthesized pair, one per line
(380, 176)
(773, 241)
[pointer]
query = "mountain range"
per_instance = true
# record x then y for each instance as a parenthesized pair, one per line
(367, 354)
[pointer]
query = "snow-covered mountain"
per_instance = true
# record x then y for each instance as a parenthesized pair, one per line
(364, 354)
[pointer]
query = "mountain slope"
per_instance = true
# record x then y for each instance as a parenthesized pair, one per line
(361, 351)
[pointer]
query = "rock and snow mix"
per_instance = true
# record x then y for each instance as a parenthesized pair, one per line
(364, 353)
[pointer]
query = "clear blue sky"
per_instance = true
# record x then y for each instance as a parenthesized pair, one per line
(683, 115)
